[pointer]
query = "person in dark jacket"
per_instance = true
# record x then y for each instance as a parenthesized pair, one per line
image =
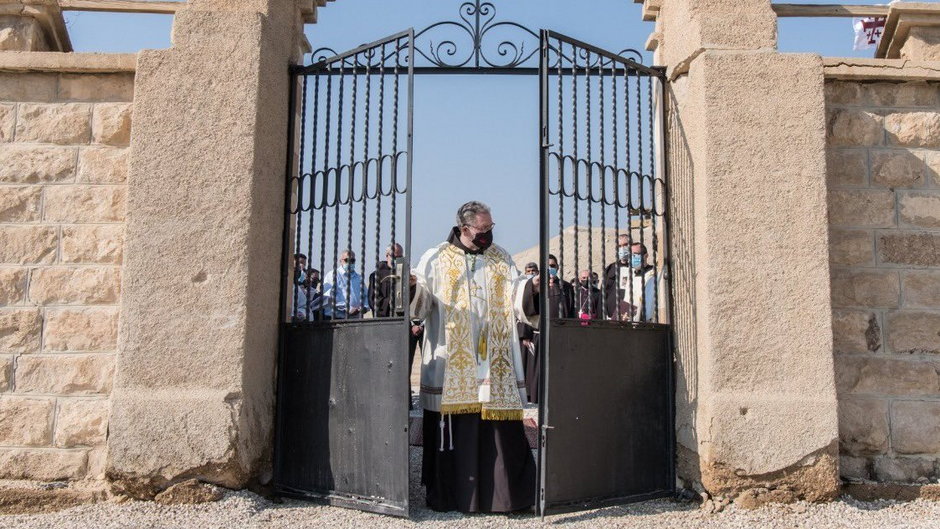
(560, 305)
(384, 298)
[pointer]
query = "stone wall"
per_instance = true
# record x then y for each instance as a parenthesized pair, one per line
(884, 218)
(63, 170)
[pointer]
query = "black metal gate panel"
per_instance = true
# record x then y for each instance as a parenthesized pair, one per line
(342, 401)
(606, 401)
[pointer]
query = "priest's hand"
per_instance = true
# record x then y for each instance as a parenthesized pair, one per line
(536, 281)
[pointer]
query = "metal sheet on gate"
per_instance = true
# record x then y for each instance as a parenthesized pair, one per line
(610, 430)
(344, 434)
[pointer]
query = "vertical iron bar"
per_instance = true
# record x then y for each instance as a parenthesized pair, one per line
(626, 105)
(616, 144)
(561, 161)
(365, 179)
(300, 192)
(395, 141)
(352, 180)
(639, 150)
(602, 277)
(380, 167)
(339, 164)
(313, 156)
(406, 267)
(588, 157)
(577, 167)
(326, 191)
(653, 210)
(544, 321)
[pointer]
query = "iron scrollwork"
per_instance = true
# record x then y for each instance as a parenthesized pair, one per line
(477, 40)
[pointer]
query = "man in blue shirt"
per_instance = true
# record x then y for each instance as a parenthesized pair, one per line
(344, 295)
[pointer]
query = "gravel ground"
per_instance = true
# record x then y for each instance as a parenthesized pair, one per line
(244, 509)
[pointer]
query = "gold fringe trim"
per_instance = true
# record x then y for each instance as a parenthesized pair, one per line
(461, 409)
(501, 415)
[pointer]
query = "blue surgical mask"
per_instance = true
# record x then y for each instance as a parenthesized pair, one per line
(623, 253)
(349, 267)
(303, 277)
(636, 260)
(552, 271)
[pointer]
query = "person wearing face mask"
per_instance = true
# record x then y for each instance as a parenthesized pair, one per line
(587, 297)
(630, 284)
(309, 300)
(468, 292)
(341, 283)
(527, 334)
(560, 304)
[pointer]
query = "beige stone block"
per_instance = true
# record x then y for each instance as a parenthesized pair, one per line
(869, 289)
(861, 208)
(903, 469)
(7, 120)
(102, 165)
(922, 44)
(879, 375)
(81, 422)
(25, 421)
(36, 163)
(6, 373)
(20, 330)
(850, 127)
(855, 332)
(933, 167)
(20, 203)
(28, 244)
(915, 427)
(921, 290)
(97, 463)
(96, 87)
(847, 167)
(42, 464)
(12, 286)
(70, 286)
(920, 209)
(863, 426)
(913, 129)
(112, 124)
(64, 124)
(65, 374)
(913, 332)
(851, 247)
(22, 33)
(910, 94)
(92, 244)
(909, 248)
(77, 203)
(844, 93)
(897, 168)
(85, 329)
(854, 468)
(17, 86)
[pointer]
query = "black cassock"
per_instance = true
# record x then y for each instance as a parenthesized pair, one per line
(560, 305)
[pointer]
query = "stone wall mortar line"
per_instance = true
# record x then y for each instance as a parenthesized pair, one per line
(55, 416)
(16, 117)
(45, 448)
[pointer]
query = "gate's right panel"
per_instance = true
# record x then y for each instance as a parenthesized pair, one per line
(606, 400)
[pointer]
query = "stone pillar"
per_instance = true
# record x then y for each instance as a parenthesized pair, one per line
(194, 389)
(33, 25)
(747, 134)
(912, 31)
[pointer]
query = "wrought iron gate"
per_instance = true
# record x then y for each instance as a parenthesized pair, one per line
(342, 417)
(607, 369)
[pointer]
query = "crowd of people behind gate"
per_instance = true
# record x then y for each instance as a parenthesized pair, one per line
(628, 293)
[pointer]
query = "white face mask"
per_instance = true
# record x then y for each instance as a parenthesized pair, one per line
(530, 275)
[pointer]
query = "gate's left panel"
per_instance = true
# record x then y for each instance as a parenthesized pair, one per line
(343, 372)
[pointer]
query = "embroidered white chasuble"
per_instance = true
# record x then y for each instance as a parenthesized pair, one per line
(471, 360)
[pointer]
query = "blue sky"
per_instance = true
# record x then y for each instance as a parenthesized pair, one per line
(475, 137)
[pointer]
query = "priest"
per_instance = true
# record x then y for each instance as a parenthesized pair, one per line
(468, 292)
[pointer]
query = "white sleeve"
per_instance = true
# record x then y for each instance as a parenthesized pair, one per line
(422, 302)
(519, 283)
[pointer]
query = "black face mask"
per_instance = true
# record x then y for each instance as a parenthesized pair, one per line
(585, 283)
(483, 240)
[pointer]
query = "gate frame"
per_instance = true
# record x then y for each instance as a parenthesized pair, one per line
(482, 66)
